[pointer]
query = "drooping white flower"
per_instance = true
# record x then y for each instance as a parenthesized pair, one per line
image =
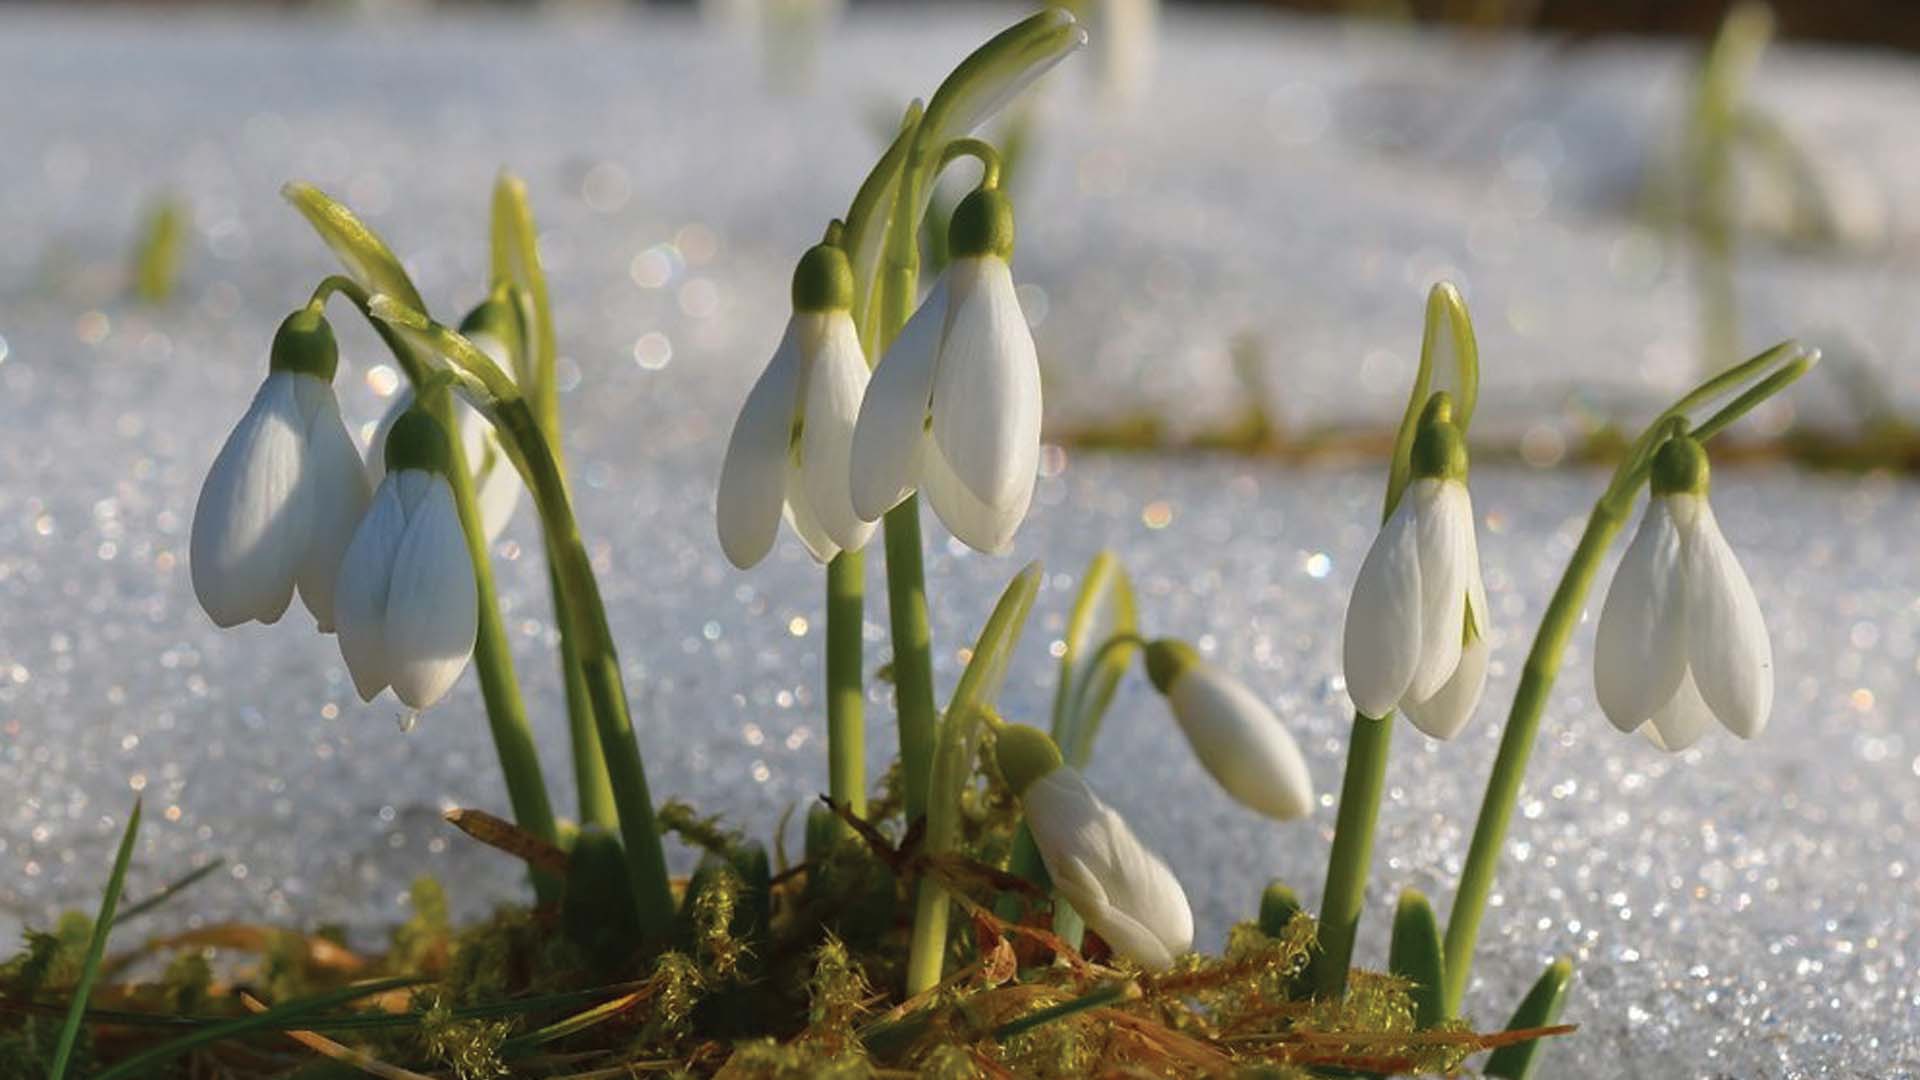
(1125, 892)
(496, 483)
(1416, 628)
(1681, 640)
(1233, 733)
(790, 446)
(954, 408)
(407, 605)
(285, 492)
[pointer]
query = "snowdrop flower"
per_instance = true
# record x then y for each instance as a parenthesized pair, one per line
(1416, 633)
(1239, 740)
(285, 492)
(496, 483)
(1681, 642)
(790, 446)
(955, 405)
(1122, 890)
(407, 604)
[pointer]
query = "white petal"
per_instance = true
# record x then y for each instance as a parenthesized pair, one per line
(982, 527)
(1728, 650)
(1680, 722)
(836, 381)
(803, 521)
(986, 393)
(248, 527)
(1125, 893)
(1448, 710)
(754, 476)
(890, 437)
(336, 489)
(1242, 743)
(360, 594)
(1381, 642)
(432, 601)
(1448, 558)
(1639, 651)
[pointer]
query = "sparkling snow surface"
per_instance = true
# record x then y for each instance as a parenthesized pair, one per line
(1741, 910)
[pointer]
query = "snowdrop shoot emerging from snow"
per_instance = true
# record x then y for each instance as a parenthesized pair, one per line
(407, 604)
(1123, 891)
(1681, 640)
(1416, 627)
(788, 455)
(954, 408)
(280, 501)
(496, 483)
(1233, 733)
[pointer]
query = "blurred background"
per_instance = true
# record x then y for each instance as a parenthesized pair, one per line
(1229, 217)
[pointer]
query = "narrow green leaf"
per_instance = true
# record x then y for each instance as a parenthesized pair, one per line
(367, 258)
(180, 885)
(96, 946)
(1414, 954)
(1088, 676)
(273, 1019)
(1540, 1008)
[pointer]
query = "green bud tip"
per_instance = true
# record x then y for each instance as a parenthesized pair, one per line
(1166, 659)
(417, 441)
(1439, 450)
(304, 344)
(982, 225)
(493, 317)
(1680, 466)
(1278, 905)
(1025, 755)
(823, 281)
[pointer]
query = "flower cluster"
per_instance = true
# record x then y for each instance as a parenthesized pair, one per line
(376, 549)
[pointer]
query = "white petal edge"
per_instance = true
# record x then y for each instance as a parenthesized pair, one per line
(1728, 650)
(753, 477)
(890, 437)
(248, 526)
(1448, 558)
(1125, 893)
(432, 601)
(1680, 722)
(1381, 641)
(1639, 650)
(360, 593)
(335, 487)
(803, 521)
(1240, 741)
(984, 528)
(836, 383)
(1446, 713)
(986, 391)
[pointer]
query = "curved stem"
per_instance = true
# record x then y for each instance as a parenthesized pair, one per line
(520, 432)
(1556, 628)
(516, 261)
(978, 149)
(492, 657)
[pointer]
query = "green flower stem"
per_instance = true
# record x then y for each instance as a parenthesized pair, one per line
(1516, 743)
(492, 657)
(1346, 892)
(1448, 331)
(912, 651)
(599, 661)
(516, 260)
(846, 691)
(1788, 362)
